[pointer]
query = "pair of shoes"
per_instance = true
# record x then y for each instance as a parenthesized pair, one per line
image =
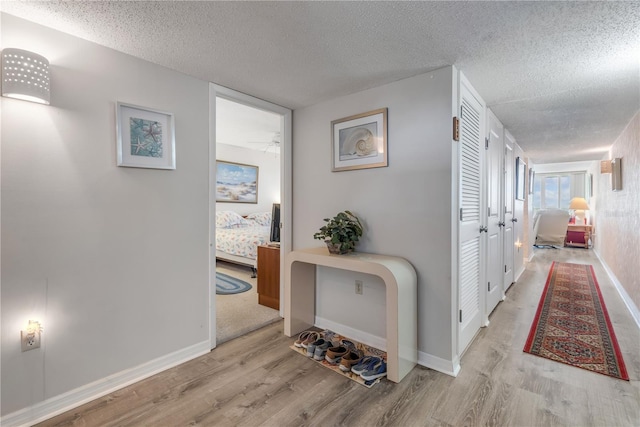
(305, 338)
(319, 348)
(370, 368)
(334, 354)
(349, 360)
(320, 344)
(375, 370)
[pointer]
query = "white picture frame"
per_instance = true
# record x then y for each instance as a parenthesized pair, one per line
(145, 137)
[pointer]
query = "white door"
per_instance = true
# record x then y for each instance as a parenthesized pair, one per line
(494, 146)
(509, 220)
(470, 220)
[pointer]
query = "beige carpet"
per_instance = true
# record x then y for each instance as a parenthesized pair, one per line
(239, 314)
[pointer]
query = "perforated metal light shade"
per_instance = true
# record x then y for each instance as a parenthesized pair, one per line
(25, 75)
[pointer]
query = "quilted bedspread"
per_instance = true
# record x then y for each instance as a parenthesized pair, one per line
(242, 241)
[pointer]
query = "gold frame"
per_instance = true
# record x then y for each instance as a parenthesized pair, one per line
(364, 153)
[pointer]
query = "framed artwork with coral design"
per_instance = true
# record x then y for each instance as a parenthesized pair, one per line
(146, 137)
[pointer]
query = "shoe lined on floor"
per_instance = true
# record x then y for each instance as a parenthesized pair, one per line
(320, 349)
(311, 347)
(334, 354)
(302, 337)
(375, 371)
(313, 336)
(364, 364)
(349, 360)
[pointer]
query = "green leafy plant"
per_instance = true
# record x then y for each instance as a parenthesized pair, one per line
(341, 233)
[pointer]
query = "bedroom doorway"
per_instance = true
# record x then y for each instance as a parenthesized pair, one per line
(249, 177)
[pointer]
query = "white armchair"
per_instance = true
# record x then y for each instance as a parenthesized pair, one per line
(550, 227)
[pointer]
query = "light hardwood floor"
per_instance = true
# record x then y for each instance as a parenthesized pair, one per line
(256, 380)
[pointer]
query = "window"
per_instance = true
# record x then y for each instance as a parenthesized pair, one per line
(555, 190)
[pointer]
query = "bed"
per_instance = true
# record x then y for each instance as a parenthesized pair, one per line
(238, 237)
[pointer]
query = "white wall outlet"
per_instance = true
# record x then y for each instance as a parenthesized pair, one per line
(30, 340)
(359, 287)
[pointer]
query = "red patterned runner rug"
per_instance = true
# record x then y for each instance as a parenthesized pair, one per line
(572, 325)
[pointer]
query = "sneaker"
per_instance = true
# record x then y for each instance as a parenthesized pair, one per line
(364, 364)
(334, 354)
(321, 350)
(349, 360)
(375, 371)
(311, 347)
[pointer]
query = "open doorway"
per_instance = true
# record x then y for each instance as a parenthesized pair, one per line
(248, 195)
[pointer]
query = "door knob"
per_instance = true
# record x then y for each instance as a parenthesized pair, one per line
(501, 224)
(485, 229)
(514, 219)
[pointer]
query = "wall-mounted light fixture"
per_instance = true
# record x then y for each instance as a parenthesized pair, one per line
(25, 75)
(518, 244)
(616, 174)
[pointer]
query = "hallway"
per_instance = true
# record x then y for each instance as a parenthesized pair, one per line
(257, 380)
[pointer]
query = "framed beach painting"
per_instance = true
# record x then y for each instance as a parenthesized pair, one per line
(360, 141)
(236, 182)
(145, 137)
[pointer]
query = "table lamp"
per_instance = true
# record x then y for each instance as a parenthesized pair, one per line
(579, 205)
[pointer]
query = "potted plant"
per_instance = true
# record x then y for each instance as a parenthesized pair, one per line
(340, 233)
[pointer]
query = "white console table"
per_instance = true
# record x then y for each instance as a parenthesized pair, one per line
(399, 278)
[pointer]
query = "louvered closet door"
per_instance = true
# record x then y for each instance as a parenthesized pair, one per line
(470, 168)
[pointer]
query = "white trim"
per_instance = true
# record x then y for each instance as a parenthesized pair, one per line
(633, 309)
(451, 368)
(212, 216)
(518, 274)
(366, 338)
(63, 402)
(286, 191)
(448, 367)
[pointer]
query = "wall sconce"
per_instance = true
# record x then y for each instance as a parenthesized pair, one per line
(518, 244)
(30, 336)
(25, 75)
(616, 174)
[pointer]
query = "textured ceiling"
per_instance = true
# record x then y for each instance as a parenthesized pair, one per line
(563, 77)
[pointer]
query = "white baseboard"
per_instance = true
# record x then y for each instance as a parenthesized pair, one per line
(427, 360)
(633, 309)
(81, 395)
(355, 334)
(448, 367)
(518, 274)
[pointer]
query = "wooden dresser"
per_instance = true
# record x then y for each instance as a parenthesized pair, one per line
(269, 276)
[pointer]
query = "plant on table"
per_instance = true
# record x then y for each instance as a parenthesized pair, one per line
(340, 233)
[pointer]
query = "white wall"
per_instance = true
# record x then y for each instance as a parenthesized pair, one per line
(405, 207)
(113, 261)
(617, 239)
(268, 177)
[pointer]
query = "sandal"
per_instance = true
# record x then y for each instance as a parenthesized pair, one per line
(305, 338)
(375, 371)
